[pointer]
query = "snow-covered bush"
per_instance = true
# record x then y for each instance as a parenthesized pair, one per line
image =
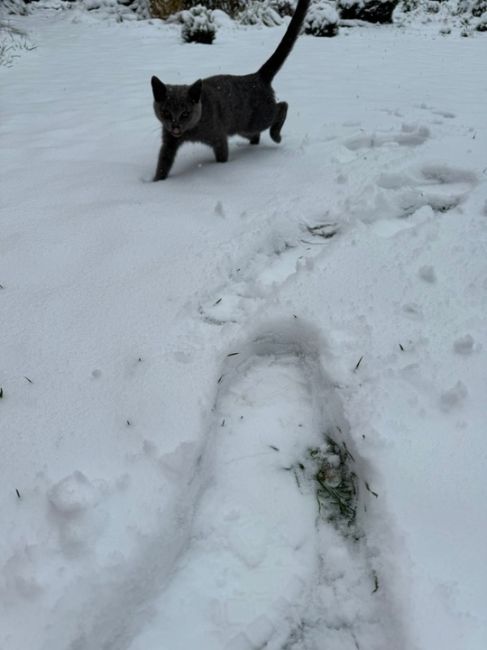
(260, 13)
(372, 11)
(230, 7)
(466, 15)
(141, 8)
(433, 7)
(321, 19)
(409, 5)
(474, 8)
(118, 9)
(283, 7)
(472, 15)
(198, 25)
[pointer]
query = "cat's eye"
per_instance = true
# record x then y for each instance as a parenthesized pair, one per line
(185, 115)
(166, 115)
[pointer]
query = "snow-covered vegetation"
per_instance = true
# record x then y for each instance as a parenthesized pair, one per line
(373, 11)
(198, 25)
(13, 42)
(452, 16)
(259, 13)
(465, 16)
(321, 20)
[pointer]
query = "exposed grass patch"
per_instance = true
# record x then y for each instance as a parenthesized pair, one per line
(12, 42)
(329, 469)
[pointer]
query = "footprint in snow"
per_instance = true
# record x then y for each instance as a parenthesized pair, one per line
(408, 197)
(435, 111)
(409, 136)
(249, 288)
(277, 556)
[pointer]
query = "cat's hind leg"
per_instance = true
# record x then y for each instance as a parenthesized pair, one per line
(253, 136)
(279, 119)
(220, 148)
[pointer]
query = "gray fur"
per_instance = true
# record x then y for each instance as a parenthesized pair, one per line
(214, 108)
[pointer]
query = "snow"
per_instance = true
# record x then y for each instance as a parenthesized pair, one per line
(170, 350)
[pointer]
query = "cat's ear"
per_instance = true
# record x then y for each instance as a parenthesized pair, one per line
(194, 92)
(159, 90)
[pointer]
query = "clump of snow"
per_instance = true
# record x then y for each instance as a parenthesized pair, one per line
(464, 344)
(219, 210)
(321, 19)
(222, 18)
(427, 273)
(413, 311)
(198, 25)
(73, 495)
(73, 502)
(454, 396)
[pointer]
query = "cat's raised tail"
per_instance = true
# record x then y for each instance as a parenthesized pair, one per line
(272, 66)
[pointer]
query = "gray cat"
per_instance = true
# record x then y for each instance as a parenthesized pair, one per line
(211, 109)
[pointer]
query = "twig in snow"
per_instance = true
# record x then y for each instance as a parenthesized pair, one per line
(376, 583)
(358, 363)
(370, 490)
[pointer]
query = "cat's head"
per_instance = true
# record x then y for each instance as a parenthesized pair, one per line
(178, 108)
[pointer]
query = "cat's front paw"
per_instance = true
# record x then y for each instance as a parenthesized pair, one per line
(159, 177)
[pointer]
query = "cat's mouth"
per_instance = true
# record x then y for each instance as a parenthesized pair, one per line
(177, 133)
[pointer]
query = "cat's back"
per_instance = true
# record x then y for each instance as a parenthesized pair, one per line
(236, 88)
(235, 99)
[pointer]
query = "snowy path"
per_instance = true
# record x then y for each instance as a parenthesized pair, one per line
(346, 267)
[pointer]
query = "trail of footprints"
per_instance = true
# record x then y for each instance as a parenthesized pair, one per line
(274, 405)
(247, 289)
(258, 561)
(440, 187)
(399, 200)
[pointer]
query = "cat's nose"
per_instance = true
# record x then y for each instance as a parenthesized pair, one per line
(176, 129)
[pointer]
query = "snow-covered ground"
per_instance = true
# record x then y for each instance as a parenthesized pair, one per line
(152, 494)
